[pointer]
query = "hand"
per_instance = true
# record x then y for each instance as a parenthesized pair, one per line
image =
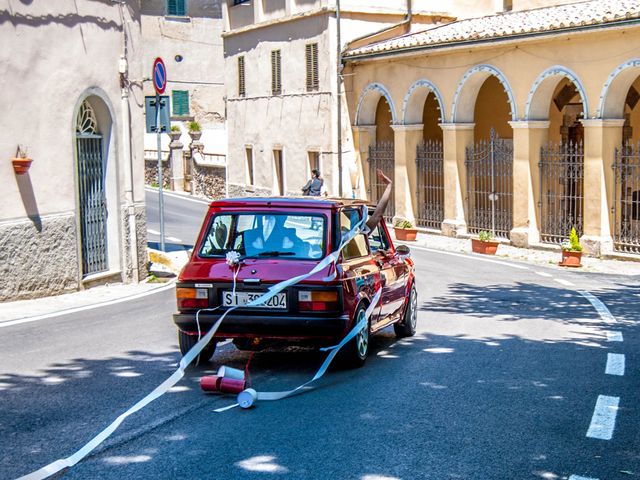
(383, 177)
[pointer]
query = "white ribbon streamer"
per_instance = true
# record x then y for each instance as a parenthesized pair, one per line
(161, 389)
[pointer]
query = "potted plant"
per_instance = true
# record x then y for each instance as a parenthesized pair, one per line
(21, 162)
(571, 251)
(175, 133)
(405, 230)
(195, 131)
(484, 244)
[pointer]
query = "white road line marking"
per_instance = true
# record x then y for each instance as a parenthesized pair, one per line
(69, 311)
(462, 255)
(543, 274)
(614, 337)
(566, 283)
(600, 307)
(181, 197)
(615, 364)
(604, 418)
(153, 232)
(578, 477)
(174, 239)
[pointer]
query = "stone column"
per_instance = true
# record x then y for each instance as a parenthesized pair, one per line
(455, 138)
(196, 146)
(363, 137)
(601, 137)
(406, 139)
(177, 166)
(528, 138)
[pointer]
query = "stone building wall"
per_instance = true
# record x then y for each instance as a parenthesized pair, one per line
(209, 181)
(38, 257)
(151, 173)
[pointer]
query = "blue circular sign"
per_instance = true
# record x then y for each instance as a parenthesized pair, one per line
(159, 76)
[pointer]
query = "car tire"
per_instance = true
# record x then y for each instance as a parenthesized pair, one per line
(355, 353)
(186, 342)
(407, 327)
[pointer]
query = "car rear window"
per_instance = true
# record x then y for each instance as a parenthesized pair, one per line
(295, 235)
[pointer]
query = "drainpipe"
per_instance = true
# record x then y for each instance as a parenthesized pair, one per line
(126, 150)
(339, 96)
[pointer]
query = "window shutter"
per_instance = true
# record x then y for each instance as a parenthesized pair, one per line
(176, 7)
(180, 100)
(312, 66)
(276, 82)
(241, 85)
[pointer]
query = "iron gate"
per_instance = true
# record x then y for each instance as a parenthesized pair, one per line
(381, 156)
(561, 190)
(490, 185)
(93, 208)
(430, 173)
(626, 223)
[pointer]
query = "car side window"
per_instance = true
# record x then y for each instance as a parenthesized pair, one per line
(378, 239)
(349, 217)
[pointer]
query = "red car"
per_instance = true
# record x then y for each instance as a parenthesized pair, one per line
(277, 239)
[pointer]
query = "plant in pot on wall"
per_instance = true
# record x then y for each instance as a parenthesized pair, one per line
(405, 230)
(571, 251)
(175, 133)
(195, 131)
(484, 244)
(21, 162)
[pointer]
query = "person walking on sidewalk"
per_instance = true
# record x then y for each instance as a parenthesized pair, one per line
(313, 188)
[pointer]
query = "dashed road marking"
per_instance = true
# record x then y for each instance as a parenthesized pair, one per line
(615, 364)
(578, 477)
(544, 274)
(600, 307)
(174, 239)
(153, 232)
(614, 336)
(604, 418)
(564, 282)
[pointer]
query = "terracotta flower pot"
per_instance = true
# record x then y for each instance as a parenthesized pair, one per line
(486, 248)
(571, 259)
(21, 165)
(407, 234)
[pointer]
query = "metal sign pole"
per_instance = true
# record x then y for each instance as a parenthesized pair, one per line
(160, 179)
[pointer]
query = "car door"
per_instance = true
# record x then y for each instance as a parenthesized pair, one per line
(393, 273)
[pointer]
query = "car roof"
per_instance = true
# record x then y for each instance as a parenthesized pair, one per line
(289, 202)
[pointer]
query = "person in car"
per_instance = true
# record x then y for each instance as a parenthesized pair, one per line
(381, 206)
(271, 236)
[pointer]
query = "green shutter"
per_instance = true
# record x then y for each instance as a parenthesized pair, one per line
(180, 100)
(176, 7)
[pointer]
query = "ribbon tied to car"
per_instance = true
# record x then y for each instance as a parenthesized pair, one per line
(176, 376)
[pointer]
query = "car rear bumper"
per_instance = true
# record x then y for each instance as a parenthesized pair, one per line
(266, 326)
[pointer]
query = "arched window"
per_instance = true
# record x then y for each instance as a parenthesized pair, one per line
(86, 122)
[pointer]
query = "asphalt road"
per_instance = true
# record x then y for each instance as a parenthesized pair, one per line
(183, 217)
(500, 382)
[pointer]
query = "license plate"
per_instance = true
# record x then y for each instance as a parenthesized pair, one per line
(241, 299)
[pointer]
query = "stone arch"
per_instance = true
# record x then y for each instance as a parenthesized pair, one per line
(467, 91)
(412, 110)
(541, 92)
(615, 89)
(368, 102)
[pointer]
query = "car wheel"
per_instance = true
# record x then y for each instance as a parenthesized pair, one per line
(407, 327)
(186, 342)
(355, 352)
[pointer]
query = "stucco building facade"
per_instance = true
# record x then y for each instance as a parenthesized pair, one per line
(526, 123)
(281, 68)
(72, 100)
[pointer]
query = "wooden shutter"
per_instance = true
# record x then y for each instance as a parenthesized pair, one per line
(176, 7)
(312, 66)
(241, 85)
(276, 82)
(180, 100)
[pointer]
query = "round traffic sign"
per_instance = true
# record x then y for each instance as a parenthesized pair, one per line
(159, 76)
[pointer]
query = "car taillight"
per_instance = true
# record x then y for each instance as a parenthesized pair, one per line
(317, 300)
(192, 297)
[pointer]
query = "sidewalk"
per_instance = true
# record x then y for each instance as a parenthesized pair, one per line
(549, 256)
